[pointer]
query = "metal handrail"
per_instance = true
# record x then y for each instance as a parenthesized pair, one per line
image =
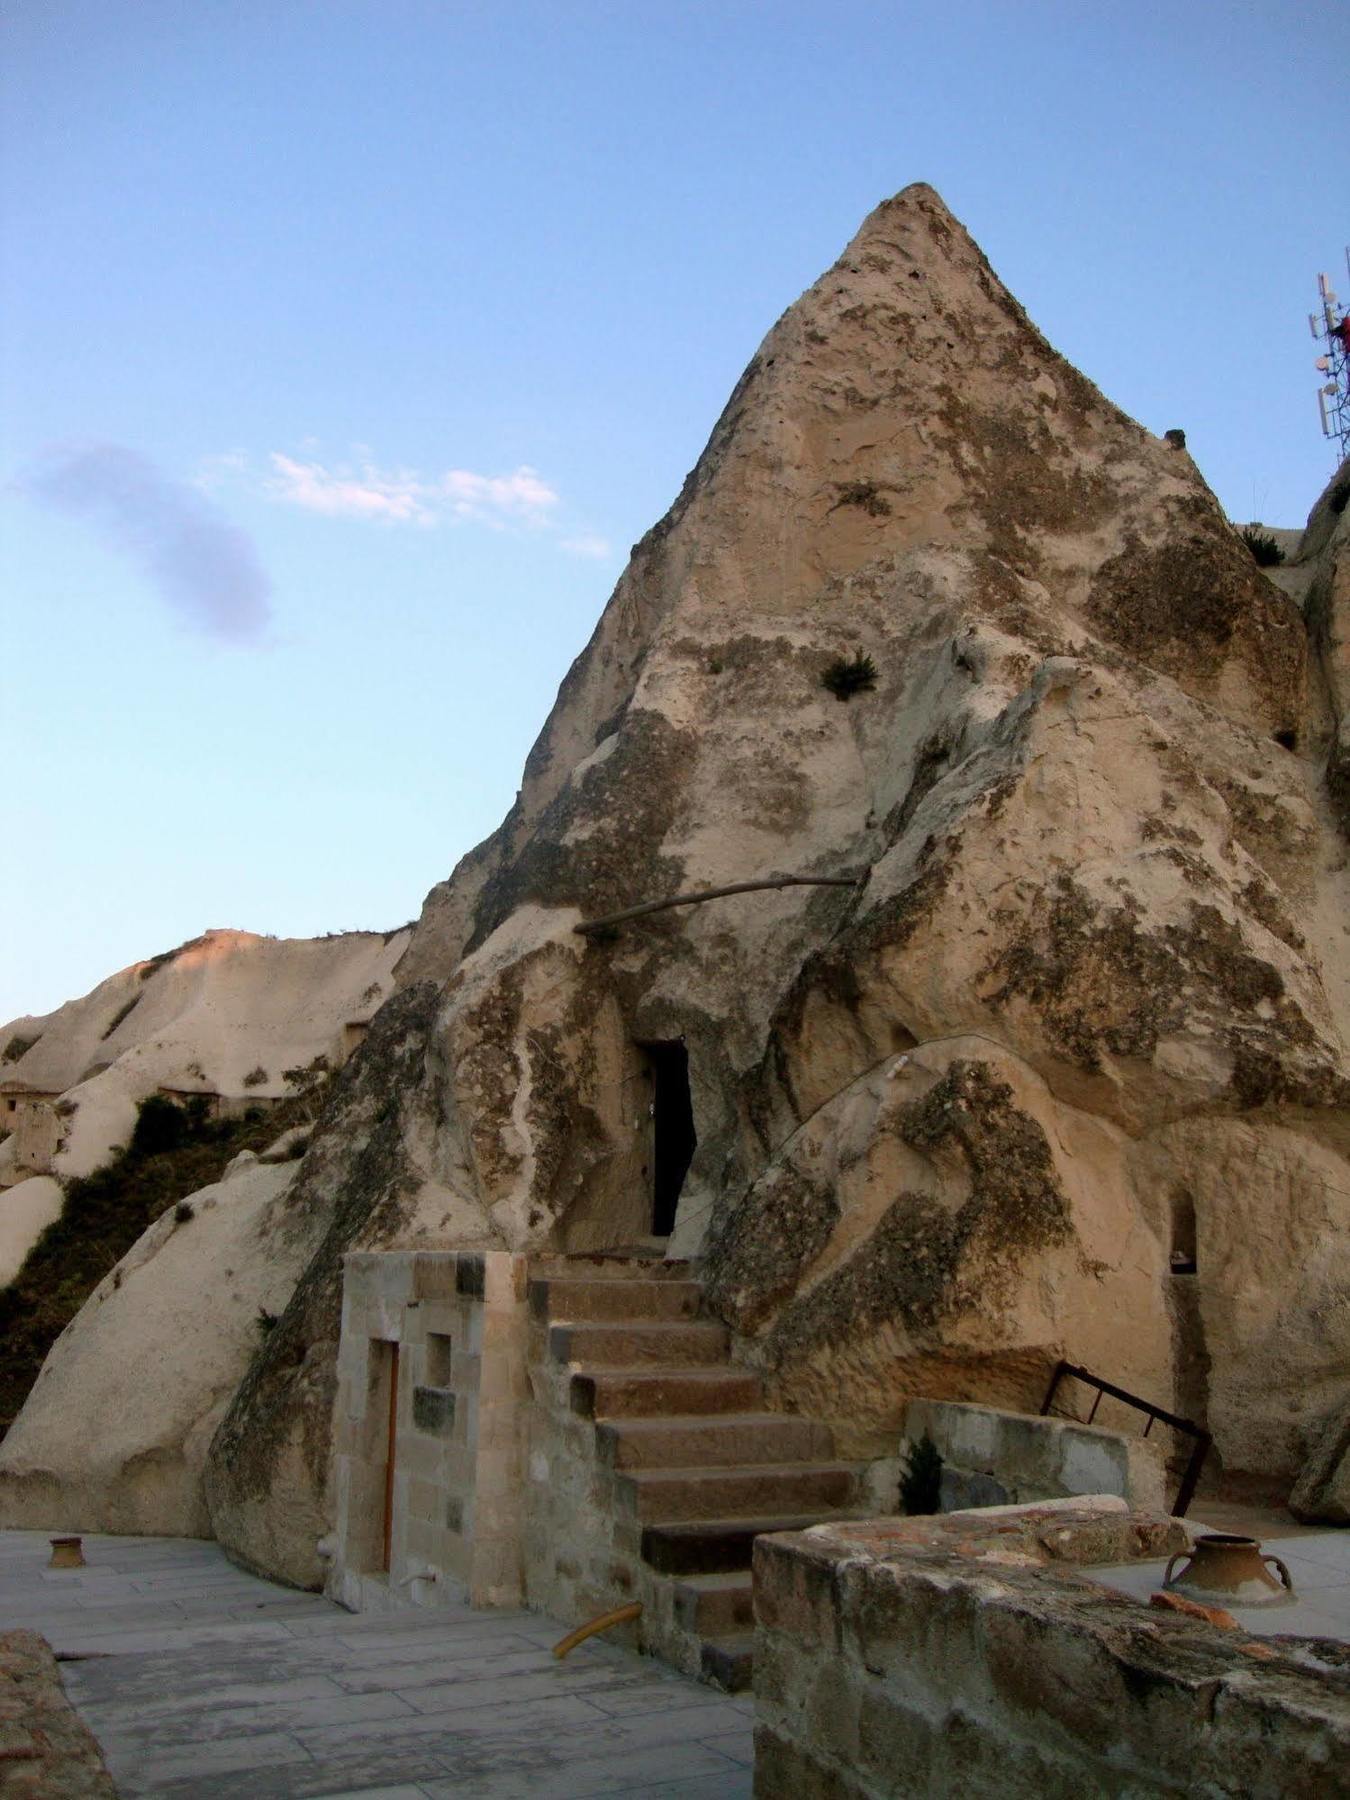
(1203, 1438)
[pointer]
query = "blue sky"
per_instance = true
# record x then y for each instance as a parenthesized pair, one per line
(347, 346)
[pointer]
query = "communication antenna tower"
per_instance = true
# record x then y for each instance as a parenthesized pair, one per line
(1331, 328)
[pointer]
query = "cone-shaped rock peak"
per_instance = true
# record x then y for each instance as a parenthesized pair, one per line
(932, 614)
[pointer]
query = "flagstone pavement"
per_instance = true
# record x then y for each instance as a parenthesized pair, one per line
(201, 1680)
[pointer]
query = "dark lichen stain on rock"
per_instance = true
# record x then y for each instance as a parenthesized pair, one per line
(568, 1138)
(627, 802)
(1187, 604)
(756, 1254)
(924, 1262)
(1100, 983)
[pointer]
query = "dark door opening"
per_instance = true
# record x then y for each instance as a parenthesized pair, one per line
(673, 1134)
(1183, 1261)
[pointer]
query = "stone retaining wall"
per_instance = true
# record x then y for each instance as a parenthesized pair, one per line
(969, 1655)
(994, 1458)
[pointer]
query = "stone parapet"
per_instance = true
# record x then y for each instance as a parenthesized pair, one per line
(970, 1654)
(992, 1457)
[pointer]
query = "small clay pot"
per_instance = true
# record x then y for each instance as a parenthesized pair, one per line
(1232, 1571)
(67, 1553)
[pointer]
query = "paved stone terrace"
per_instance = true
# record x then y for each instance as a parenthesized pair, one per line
(203, 1681)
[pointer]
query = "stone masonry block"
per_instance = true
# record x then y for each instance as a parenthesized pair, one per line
(434, 1276)
(503, 1376)
(794, 1586)
(433, 1410)
(425, 1500)
(907, 1626)
(471, 1274)
(783, 1767)
(1093, 1465)
(505, 1278)
(423, 1456)
(895, 1741)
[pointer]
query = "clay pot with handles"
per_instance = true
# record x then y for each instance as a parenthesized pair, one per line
(1232, 1570)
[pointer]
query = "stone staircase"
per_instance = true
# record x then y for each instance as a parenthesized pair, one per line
(688, 1462)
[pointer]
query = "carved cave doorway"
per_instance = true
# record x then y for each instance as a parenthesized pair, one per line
(673, 1137)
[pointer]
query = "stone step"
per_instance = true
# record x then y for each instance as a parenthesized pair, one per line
(600, 1267)
(716, 1546)
(715, 1605)
(610, 1302)
(656, 1393)
(671, 1494)
(729, 1662)
(635, 1346)
(723, 1440)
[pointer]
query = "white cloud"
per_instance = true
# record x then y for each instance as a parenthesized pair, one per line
(369, 493)
(360, 488)
(522, 494)
(588, 544)
(407, 497)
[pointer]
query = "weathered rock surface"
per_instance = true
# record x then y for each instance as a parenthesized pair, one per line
(223, 1016)
(1080, 1022)
(1322, 1491)
(376, 1173)
(26, 1210)
(45, 1747)
(114, 1435)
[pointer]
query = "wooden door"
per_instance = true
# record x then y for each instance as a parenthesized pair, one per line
(390, 1454)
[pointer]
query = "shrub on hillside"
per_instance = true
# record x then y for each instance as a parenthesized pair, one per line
(847, 676)
(1263, 547)
(161, 1124)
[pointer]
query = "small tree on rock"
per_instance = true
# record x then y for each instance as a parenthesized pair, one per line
(921, 1480)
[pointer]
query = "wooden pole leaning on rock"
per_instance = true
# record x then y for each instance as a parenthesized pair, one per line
(736, 887)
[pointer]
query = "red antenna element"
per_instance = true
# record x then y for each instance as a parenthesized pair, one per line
(1330, 325)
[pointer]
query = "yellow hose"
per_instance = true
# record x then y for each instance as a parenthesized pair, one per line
(620, 1616)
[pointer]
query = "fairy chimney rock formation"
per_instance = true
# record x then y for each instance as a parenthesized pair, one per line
(1080, 1023)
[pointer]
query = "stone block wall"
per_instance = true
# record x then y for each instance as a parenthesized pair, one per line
(452, 1325)
(583, 1543)
(968, 1655)
(993, 1458)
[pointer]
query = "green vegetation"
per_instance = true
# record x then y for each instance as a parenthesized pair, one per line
(847, 676)
(19, 1046)
(1262, 546)
(255, 1077)
(266, 1321)
(174, 1150)
(921, 1481)
(308, 1084)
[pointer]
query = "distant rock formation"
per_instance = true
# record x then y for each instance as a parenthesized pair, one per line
(115, 1432)
(221, 1018)
(114, 1435)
